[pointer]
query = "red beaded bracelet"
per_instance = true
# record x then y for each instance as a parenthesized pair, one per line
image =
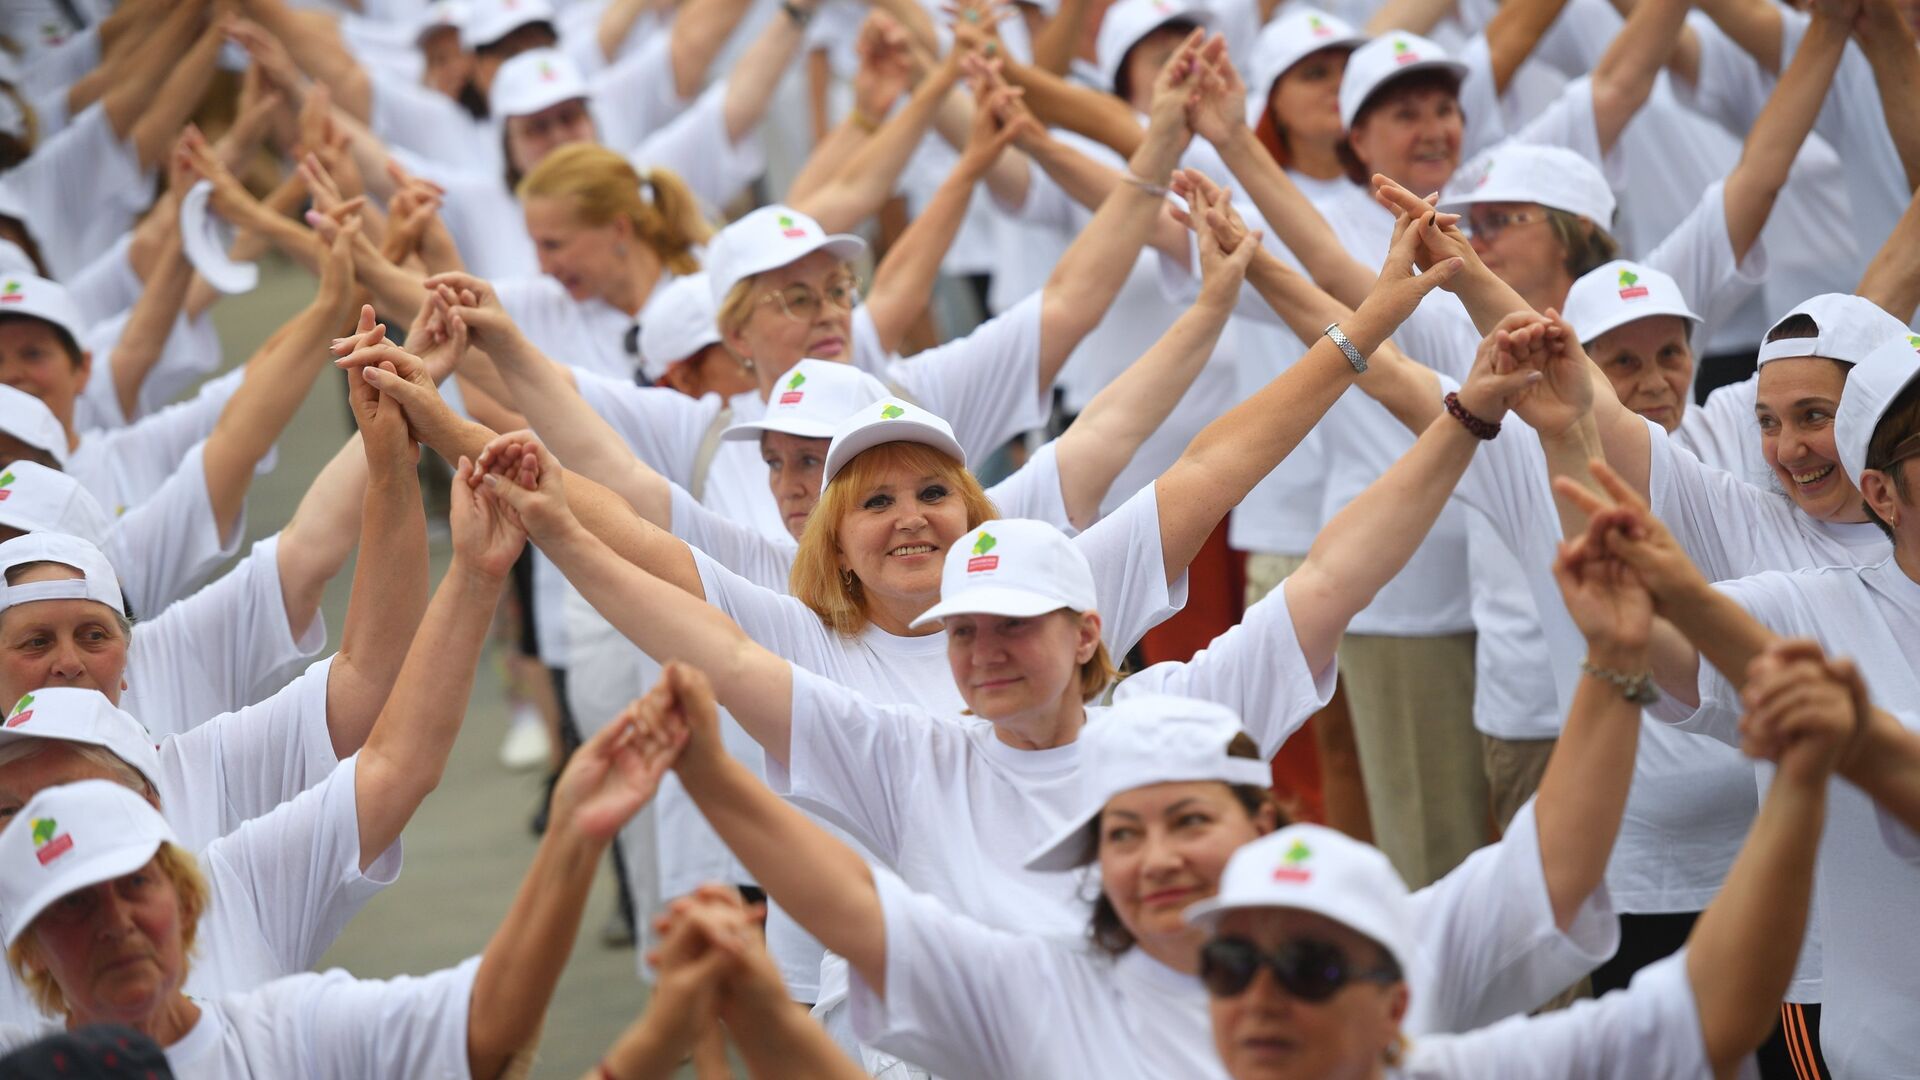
(606, 1073)
(1479, 428)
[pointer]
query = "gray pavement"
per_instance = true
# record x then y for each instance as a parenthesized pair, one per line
(469, 845)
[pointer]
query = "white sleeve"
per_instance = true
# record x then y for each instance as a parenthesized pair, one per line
(868, 354)
(985, 384)
(1129, 571)
(1487, 936)
(1698, 255)
(82, 190)
(641, 82)
(1715, 515)
(776, 620)
(1652, 1028)
(1255, 668)
(411, 117)
(145, 453)
(1033, 491)
(300, 868)
(743, 550)
(107, 285)
(1047, 203)
(853, 761)
(241, 765)
(1730, 87)
(410, 1025)
(221, 649)
(165, 547)
(958, 993)
(663, 427)
(695, 147)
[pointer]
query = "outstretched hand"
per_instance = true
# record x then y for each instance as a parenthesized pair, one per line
(481, 315)
(381, 420)
(1606, 599)
(486, 535)
(400, 376)
(1803, 710)
(1497, 379)
(1217, 107)
(1620, 523)
(608, 779)
(1402, 284)
(680, 712)
(1563, 396)
(1225, 246)
(523, 474)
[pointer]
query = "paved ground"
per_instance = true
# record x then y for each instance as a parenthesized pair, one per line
(469, 845)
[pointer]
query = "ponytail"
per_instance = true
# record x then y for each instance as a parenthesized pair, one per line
(603, 186)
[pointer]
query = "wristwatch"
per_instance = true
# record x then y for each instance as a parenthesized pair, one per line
(794, 11)
(1638, 689)
(1347, 347)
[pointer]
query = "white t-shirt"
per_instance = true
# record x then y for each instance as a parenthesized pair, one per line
(587, 334)
(123, 467)
(1724, 434)
(166, 546)
(1868, 887)
(219, 650)
(420, 120)
(190, 354)
(280, 888)
(82, 190)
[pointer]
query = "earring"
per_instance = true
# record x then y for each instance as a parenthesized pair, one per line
(846, 581)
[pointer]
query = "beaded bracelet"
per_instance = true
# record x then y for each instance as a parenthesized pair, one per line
(1479, 428)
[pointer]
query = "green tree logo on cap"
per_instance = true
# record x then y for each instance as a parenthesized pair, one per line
(22, 705)
(794, 383)
(6, 480)
(13, 288)
(984, 544)
(1400, 45)
(43, 830)
(21, 713)
(787, 228)
(1298, 853)
(1290, 868)
(1913, 341)
(1628, 279)
(892, 412)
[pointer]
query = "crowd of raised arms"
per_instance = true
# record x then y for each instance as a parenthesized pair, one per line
(1137, 539)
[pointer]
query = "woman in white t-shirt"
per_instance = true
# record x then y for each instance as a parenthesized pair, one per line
(90, 860)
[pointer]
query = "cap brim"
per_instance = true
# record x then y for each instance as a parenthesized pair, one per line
(753, 429)
(1069, 849)
(990, 600)
(1455, 67)
(1618, 319)
(104, 866)
(838, 245)
(895, 431)
(204, 240)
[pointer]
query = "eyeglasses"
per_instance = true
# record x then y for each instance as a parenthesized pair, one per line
(1489, 224)
(1307, 968)
(804, 303)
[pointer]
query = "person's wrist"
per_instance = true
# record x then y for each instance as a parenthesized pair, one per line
(471, 572)
(1616, 654)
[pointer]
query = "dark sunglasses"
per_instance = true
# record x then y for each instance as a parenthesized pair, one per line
(1307, 968)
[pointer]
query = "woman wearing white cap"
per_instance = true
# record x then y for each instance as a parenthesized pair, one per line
(91, 861)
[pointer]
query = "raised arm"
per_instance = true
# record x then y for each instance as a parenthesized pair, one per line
(1624, 77)
(755, 76)
(1775, 138)
(1742, 952)
(1231, 454)
(1514, 31)
(1104, 437)
(700, 31)
(866, 179)
(1888, 42)
(815, 878)
(606, 782)
(166, 112)
(144, 70)
(1084, 111)
(315, 45)
(1370, 540)
(1755, 25)
(144, 337)
(1892, 279)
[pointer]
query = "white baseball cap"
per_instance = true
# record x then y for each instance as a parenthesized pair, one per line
(1621, 292)
(1850, 326)
(28, 419)
(811, 400)
(1552, 176)
(14, 259)
(1126, 22)
(11, 203)
(769, 237)
(487, 21)
(1314, 868)
(1871, 387)
(887, 420)
(1141, 741)
(1384, 59)
(34, 498)
(30, 294)
(534, 80)
(442, 15)
(205, 240)
(96, 582)
(1015, 567)
(70, 837)
(677, 324)
(1292, 38)
(75, 715)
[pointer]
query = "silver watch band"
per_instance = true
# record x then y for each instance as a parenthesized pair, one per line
(1347, 347)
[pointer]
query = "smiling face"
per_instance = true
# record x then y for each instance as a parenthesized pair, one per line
(532, 137)
(34, 359)
(794, 465)
(47, 643)
(779, 334)
(1795, 403)
(1265, 1033)
(584, 258)
(1163, 848)
(1008, 669)
(117, 950)
(1650, 365)
(1305, 101)
(1411, 133)
(896, 536)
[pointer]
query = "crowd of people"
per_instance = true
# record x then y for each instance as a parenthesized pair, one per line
(1033, 538)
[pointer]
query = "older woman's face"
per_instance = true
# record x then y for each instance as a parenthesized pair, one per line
(1007, 668)
(801, 310)
(895, 539)
(1163, 848)
(115, 949)
(1265, 1033)
(531, 138)
(794, 465)
(1794, 402)
(45, 643)
(57, 763)
(1413, 137)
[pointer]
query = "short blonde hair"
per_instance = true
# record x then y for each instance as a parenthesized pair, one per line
(180, 868)
(603, 185)
(815, 579)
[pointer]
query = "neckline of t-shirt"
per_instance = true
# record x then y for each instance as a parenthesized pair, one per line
(1057, 759)
(200, 1038)
(1137, 965)
(1855, 536)
(1892, 579)
(883, 641)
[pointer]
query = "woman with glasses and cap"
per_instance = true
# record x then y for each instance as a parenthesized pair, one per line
(102, 905)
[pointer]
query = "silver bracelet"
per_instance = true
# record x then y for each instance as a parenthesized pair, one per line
(1158, 191)
(1638, 689)
(1347, 347)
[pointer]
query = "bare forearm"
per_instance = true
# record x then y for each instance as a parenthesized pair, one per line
(1777, 133)
(144, 337)
(1886, 765)
(1755, 25)
(753, 79)
(1413, 16)
(1724, 633)
(776, 1040)
(322, 533)
(1301, 304)
(139, 75)
(1403, 386)
(866, 179)
(1624, 77)
(186, 83)
(903, 282)
(1056, 44)
(387, 602)
(283, 202)
(1058, 103)
(823, 164)
(318, 51)
(1896, 71)
(700, 29)
(1584, 791)
(1513, 33)
(1892, 279)
(1296, 221)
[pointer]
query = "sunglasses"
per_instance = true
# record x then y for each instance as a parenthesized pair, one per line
(1307, 968)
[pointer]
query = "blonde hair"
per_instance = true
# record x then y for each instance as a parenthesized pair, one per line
(815, 579)
(181, 869)
(603, 185)
(116, 768)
